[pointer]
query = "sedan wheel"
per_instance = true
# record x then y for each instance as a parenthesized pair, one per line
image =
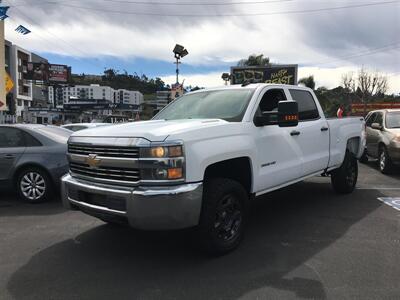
(33, 185)
(385, 163)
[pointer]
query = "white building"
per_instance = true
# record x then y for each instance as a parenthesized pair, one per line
(23, 88)
(64, 95)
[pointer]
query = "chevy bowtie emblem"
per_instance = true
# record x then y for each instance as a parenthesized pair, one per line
(92, 160)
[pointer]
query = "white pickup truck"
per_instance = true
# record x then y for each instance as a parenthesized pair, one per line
(205, 156)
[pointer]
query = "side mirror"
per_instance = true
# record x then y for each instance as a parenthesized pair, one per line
(288, 114)
(376, 126)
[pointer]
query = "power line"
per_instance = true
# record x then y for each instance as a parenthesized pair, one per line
(228, 15)
(392, 46)
(166, 3)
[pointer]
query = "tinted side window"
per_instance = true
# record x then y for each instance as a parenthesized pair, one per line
(307, 108)
(11, 137)
(269, 102)
(370, 119)
(31, 141)
(379, 119)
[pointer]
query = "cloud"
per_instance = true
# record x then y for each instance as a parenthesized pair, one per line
(327, 77)
(327, 39)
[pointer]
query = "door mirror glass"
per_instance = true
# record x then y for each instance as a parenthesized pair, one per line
(376, 126)
(288, 114)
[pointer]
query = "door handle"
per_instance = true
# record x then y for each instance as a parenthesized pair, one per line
(324, 128)
(295, 132)
(9, 156)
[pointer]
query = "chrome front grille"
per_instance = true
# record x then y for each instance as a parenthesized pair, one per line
(121, 175)
(105, 151)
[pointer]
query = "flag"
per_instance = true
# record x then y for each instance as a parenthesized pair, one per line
(22, 29)
(3, 12)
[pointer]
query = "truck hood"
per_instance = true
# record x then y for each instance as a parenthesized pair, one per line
(155, 131)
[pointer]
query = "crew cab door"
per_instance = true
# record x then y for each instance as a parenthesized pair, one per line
(313, 137)
(12, 146)
(278, 152)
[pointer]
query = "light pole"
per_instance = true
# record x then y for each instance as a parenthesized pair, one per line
(226, 77)
(179, 52)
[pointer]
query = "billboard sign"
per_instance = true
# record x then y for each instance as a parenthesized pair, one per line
(58, 73)
(280, 74)
(48, 73)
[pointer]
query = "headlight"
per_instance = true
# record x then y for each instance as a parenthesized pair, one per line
(162, 163)
(397, 139)
(162, 151)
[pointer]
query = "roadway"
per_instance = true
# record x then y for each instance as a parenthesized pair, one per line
(302, 242)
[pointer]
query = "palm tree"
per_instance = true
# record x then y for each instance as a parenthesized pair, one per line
(254, 60)
(308, 81)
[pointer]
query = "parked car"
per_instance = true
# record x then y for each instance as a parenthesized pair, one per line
(204, 156)
(383, 138)
(81, 126)
(33, 159)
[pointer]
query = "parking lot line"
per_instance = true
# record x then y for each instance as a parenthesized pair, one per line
(391, 201)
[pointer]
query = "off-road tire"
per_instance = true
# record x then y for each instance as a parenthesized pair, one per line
(34, 185)
(223, 216)
(344, 179)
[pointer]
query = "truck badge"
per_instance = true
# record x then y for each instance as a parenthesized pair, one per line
(92, 160)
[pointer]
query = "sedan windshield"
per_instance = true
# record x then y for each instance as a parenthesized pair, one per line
(393, 120)
(229, 105)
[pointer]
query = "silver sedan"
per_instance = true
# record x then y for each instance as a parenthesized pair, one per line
(33, 159)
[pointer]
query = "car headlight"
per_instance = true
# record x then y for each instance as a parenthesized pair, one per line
(397, 139)
(162, 163)
(162, 151)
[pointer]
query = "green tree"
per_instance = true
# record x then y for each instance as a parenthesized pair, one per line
(308, 81)
(254, 60)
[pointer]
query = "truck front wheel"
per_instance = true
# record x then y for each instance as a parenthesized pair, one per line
(222, 217)
(344, 179)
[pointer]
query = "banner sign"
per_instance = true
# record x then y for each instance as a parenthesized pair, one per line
(48, 73)
(280, 74)
(359, 108)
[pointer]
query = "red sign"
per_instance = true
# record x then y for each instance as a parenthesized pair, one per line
(360, 108)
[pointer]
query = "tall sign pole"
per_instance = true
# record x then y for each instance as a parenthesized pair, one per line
(2, 69)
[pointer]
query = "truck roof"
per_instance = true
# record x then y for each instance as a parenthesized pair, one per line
(251, 86)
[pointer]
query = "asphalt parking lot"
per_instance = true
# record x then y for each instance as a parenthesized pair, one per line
(302, 242)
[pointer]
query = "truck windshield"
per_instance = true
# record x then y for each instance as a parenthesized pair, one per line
(393, 120)
(229, 105)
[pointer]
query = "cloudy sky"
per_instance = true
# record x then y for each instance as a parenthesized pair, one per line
(326, 38)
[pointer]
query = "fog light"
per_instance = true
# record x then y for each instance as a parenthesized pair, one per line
(161, 174)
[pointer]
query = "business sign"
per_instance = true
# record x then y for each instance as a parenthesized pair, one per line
(280, 74)
(359, 109)
(48, 73)
(9, 83)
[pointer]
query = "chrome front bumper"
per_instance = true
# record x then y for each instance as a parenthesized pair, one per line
(150, 208)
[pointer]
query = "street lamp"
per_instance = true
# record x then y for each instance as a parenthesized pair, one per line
(179, 52)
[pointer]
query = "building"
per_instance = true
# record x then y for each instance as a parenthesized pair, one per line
(22, 87)
(162, 99)
(86, 94)
(39, 92)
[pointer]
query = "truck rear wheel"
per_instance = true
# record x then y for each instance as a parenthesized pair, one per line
(344, 179)
(223, 215)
